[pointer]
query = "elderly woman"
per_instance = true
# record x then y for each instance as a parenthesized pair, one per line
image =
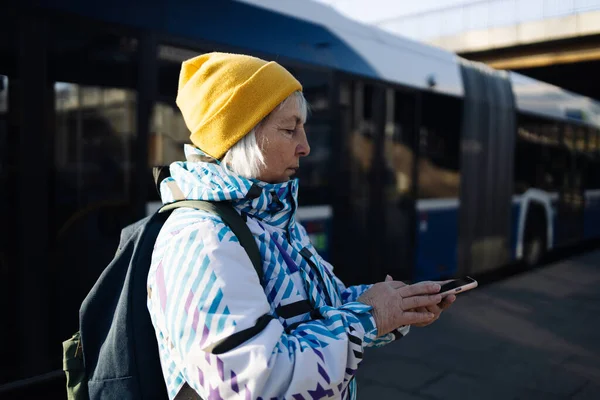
(308, 331)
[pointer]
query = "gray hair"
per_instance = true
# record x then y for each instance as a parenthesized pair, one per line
(245, 158)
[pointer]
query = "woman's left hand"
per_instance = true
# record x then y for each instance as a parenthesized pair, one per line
(435, 309)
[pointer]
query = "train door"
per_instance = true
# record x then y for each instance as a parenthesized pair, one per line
(400, 155)
(69, 123)
(578, 171)
(93, 79)
(375, 192)
(570, 206)
(438, 186)
(24, 171)
(356, 221)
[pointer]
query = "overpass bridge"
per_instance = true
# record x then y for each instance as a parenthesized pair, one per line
(556, 41)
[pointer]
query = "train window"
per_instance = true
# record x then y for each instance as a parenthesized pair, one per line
(580, 165)
(539, 158)
(315, 170)
(95, 129)
(4, 138)
(3, 94)
(95, 106)
(439, 165)
(315, 87)
(361, 149)
(399, 147)
(4, 147)
(550, 133)
(356, 155)
(92, 56)
(168, 134)
(94, 133)
(8, 43)
(592, 179)
(569, 136)
(399, 142)
(529, 142)
(315, 173)
(593, 141)
(581, 133)
(7, 245)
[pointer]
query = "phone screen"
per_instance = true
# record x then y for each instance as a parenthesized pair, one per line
(454, 284)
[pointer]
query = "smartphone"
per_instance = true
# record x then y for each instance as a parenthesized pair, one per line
(458, 286)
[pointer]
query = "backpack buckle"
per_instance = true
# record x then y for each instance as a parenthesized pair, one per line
(79, 348)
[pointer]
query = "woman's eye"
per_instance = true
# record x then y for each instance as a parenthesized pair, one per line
(290, 131)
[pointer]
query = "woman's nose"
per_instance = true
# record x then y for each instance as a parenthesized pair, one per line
(303, 148)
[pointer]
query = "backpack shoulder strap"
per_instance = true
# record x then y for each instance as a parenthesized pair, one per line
(237, 224)
(232, 219)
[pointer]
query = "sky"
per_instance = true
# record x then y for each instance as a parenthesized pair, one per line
(428, 19)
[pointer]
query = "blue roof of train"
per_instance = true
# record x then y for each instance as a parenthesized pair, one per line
(312, 33)
(228, 23)
(303, 31)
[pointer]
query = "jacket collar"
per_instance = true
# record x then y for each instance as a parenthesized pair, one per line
(201, 177)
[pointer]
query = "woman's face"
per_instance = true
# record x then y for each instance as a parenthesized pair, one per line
(282, 140)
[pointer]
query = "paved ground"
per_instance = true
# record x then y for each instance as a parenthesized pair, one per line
(531, 336)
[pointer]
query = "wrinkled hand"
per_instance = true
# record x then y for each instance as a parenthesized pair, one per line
(435, 309)
(396, 304)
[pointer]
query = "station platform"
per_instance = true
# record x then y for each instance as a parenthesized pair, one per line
(535, 335)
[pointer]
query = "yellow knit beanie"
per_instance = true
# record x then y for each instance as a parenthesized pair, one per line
(223, 96)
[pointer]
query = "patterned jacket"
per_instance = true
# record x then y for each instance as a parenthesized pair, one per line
(202, 288)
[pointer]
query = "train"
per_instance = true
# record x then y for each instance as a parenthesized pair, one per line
(424, 165)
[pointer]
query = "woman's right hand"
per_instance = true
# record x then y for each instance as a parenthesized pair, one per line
(392, 300)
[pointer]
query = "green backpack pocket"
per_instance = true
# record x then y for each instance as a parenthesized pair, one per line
(74, 369)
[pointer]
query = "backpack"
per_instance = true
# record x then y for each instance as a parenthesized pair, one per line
(114, 355)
